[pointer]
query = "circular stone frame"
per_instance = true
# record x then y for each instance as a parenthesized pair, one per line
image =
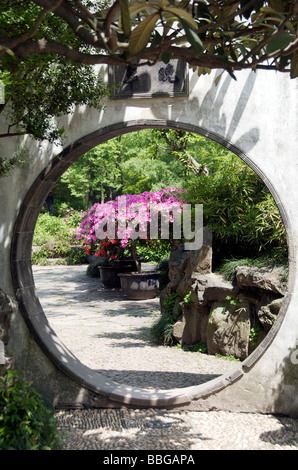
(33, 313)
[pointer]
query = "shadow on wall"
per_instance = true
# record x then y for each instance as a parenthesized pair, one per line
(288, 386)
(219, 98)
(209, 110)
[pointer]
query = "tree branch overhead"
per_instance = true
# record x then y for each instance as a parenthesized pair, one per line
(226, 35)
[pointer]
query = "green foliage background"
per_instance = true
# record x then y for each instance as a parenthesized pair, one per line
(240, 210)
(133, 163)
(237, 205)
(26, 422)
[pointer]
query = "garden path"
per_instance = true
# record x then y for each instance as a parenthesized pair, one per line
(111, 334)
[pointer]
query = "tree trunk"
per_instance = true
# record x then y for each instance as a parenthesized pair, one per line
(134, 255)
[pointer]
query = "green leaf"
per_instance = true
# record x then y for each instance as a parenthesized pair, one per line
(137, 7)
(216, 81)
(156, 39)
(183, 4)
(140, 36)
(125, 17)
(280, 41)
(233, 55)
(242, 49)
(271, 10)
(182, 14)
(165, 57)
(231, 74)
(192, 38)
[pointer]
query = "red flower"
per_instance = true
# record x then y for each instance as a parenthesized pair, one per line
(87, 250)
(113, 256)
(113, 241)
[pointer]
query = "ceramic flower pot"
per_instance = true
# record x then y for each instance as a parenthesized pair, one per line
(109, 274)
(140, 286)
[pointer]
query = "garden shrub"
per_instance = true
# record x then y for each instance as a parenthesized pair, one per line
(54, 237)
(155, 251)
(268, 260)
(77, 255)
(198, 347)
(120, 238)
(41, 256)
(59, 250)
(50, 229)
(170, 302)
(162, 329)
(26, 423)
(240, 210)
(92, 269)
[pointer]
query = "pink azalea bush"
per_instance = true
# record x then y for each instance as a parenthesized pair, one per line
(124, 221)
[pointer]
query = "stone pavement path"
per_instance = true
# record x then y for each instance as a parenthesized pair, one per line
(111, 335)
(170, 430)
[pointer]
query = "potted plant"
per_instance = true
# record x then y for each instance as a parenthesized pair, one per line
(114, 229)
(111, 255)
(140, 285)
(115, 261)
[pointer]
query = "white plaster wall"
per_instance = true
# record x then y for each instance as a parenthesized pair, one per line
(258, 115)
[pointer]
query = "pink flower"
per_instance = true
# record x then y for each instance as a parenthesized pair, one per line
(135, 213)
